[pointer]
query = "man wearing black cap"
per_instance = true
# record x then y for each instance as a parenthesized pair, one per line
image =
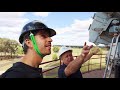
(36, 42)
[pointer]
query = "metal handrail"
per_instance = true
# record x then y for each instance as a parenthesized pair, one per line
(74, 56)
(50, 61)
(50, 69)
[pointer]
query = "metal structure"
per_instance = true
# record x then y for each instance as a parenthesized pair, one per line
(105, 29)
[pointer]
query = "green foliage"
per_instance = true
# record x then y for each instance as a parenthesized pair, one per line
(54, 56)
(55, 49)
(10, 46)
(100, 51)
(20, 50)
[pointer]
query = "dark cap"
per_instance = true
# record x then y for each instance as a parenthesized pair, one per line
(35, 25)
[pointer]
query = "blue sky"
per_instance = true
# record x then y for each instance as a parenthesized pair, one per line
(71, 27)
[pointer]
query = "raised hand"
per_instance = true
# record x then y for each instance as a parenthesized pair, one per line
(86, 49)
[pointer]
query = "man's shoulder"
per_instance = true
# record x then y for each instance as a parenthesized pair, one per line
(13, 73)
(20, 70)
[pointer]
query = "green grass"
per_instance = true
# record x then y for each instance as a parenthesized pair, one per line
(92, 67)
(53, 73)
(83, 69)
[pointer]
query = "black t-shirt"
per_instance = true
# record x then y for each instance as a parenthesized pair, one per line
(21, 70)
(61, 73)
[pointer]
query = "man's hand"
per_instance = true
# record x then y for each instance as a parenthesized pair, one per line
(86, 50)
(93, 51)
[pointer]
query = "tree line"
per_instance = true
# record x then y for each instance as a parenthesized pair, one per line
(9, 47)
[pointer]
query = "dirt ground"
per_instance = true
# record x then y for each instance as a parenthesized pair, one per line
(95, 74)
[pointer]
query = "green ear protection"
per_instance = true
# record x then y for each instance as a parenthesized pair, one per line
(32, 37)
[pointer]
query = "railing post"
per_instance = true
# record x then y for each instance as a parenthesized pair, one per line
(100, 61)
(88, 64)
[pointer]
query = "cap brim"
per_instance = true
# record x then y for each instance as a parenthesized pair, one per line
(21, 39)
(52, 32)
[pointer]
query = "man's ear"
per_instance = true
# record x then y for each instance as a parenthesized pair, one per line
(28, 42)
(61, 62)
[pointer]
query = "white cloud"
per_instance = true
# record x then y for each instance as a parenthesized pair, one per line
(42, 14)
(11, 14)
(81, 24)
(75, 34)
(11, 24)
(10, 35)
(77, 25)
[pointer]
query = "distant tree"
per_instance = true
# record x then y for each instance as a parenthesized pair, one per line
(9, 46)
(1, 46)
(54, 56)
(6, 44)
(55, 49)
(20, 50)
(13, 47)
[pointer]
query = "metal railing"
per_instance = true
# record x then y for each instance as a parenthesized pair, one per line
(50, 69)
(100, 66)
(88, 65)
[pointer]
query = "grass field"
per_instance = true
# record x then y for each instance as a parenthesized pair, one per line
(95, 64)
(5, 64)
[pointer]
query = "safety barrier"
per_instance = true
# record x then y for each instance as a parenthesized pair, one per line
(88, 65)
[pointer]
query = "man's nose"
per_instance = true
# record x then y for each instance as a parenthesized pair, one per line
(69, 57)
(50, 39)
